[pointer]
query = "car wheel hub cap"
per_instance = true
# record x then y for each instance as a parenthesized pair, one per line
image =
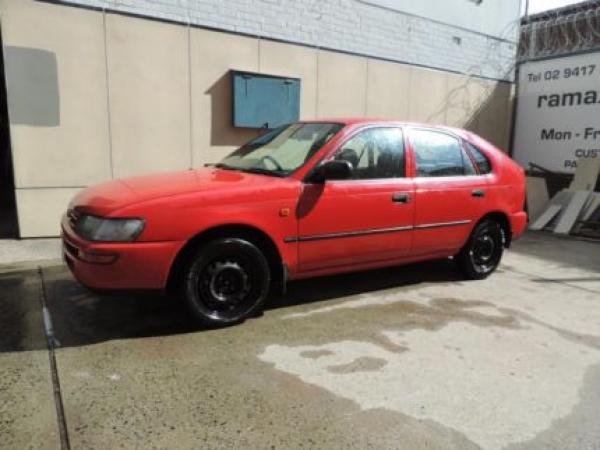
(227, 282)
(485, 249)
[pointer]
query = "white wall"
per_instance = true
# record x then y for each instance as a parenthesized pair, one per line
(498, 18)
(361, 27)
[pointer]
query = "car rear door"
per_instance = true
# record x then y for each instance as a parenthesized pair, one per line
(449, 195)
(362, 220)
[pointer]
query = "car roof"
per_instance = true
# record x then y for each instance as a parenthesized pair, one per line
(363, 121)
(376, 121)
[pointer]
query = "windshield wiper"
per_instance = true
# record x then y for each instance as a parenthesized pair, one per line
(262, 171)
(249, 170)
(225, 166)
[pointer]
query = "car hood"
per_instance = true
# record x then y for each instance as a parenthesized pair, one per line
(106, 197)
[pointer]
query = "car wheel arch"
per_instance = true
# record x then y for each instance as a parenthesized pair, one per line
(250, 233)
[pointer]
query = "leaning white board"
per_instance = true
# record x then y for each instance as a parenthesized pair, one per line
(546, 217)
(572, 212)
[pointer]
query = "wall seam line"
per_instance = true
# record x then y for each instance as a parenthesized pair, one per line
(258, 51)
(191, 97)
(366, 96)
(109, 118)
(410, 80)
(317, 82)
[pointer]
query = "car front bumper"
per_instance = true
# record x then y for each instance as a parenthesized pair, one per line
(118, 265)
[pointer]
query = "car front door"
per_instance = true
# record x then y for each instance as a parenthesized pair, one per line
(449, 195)
(362, 220)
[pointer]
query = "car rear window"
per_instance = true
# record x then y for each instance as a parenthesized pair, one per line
(439, 155)
(483, 163)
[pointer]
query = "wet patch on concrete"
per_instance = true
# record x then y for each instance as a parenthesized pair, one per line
(213, 392)
(498, 375)
(82, 317)
(21, 319)
(27, 412)
(362, 364)
(314, 354)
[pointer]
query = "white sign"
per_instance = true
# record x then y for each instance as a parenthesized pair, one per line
(558, 112)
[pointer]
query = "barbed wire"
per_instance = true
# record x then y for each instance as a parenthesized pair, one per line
(560, 32)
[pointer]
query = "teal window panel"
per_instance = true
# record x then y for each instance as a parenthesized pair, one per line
(264, 101)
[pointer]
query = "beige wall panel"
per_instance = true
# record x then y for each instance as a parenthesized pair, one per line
(428, 96)
(56, 78)
(493, 121)
(341, 85)
(148, 74)
(213, 55)
(40, 210)
(465, 97)
(388, 90)
(295, 61)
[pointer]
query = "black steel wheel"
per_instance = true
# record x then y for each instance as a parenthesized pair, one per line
(483, 251)
(226, 281)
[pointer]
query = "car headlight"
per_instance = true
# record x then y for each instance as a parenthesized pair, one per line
(113, 230)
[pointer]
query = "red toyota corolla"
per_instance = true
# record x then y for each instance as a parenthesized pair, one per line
(302, 200)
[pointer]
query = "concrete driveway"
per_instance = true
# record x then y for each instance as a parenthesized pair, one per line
(409, 357)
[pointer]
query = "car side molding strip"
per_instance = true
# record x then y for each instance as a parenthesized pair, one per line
(319, 237)
(442, 224)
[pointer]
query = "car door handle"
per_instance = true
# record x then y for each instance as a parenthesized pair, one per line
(401, 197)
(478, 193)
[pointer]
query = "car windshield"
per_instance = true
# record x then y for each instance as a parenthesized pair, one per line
(281, 151)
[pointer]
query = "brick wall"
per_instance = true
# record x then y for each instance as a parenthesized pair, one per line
(346, 25)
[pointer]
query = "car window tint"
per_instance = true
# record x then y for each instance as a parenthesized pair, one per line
(375, 153)
(483, 163)
(439, 155)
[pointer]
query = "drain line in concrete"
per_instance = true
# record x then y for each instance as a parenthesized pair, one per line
(51, 340)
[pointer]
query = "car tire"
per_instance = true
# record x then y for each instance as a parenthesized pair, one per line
(482, 253)
(226, 281)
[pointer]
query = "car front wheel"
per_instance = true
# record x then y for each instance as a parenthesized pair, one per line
(482, 253)
(226, 281)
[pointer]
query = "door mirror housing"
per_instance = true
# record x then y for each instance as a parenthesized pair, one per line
(334, 169)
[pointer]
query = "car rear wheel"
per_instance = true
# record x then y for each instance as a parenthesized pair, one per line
(226, 281)
(482, 253)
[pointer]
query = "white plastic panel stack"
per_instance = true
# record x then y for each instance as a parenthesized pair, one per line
(569, 207)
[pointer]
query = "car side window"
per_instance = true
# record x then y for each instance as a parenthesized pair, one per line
(375, 153)
(439, 155)
(483, 163)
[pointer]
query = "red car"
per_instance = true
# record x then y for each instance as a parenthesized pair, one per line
(302, 200)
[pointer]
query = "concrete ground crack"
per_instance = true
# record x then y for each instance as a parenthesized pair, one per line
(49, 331)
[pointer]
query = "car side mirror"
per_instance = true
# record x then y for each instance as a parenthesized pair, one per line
(335, 169)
